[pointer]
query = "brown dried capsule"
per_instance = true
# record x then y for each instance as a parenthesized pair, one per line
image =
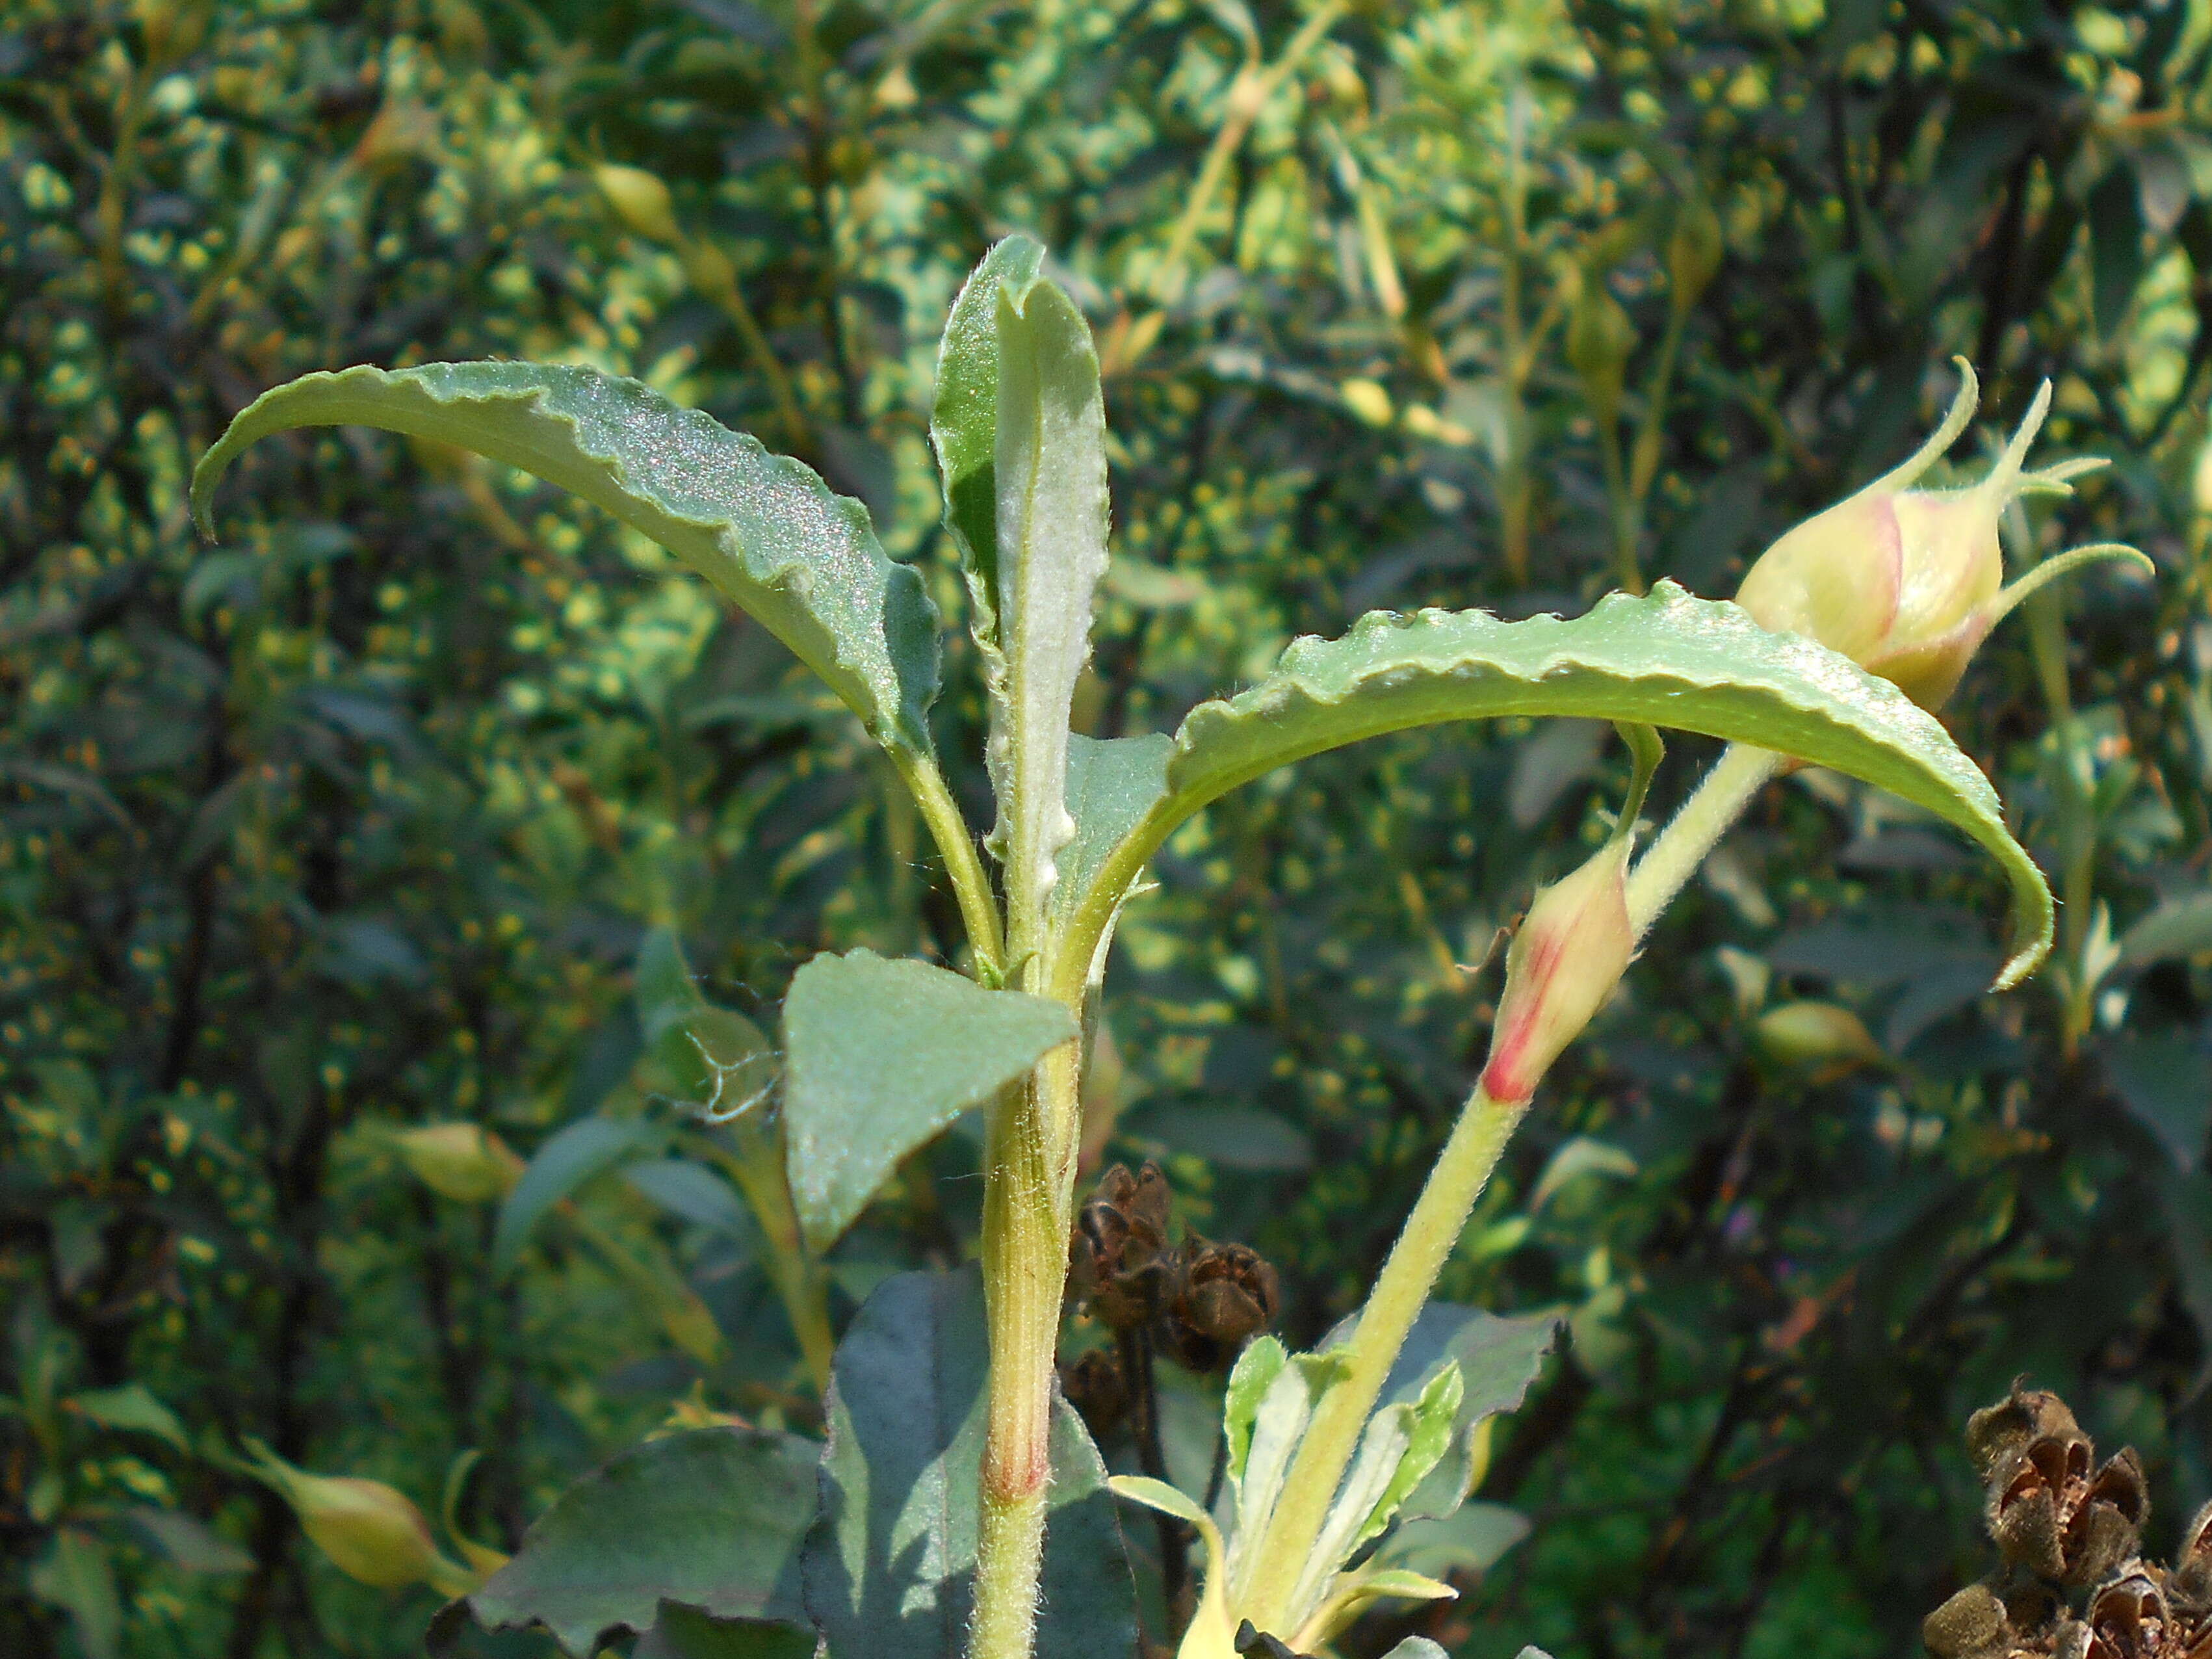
(2189, 1585)
(2050, 1515)
(1971, 1624)
(1095, 1386)
(1224, 1296)
(1115, 1257)
(1995, 1432)
(2130, 1619)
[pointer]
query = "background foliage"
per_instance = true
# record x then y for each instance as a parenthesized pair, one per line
(355, 822)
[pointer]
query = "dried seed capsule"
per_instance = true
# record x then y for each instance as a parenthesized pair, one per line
(1093, 1385)
(2130, 1619)
(1969, 1625)
(2191, 1585)
(1995, 1432)
(1224, 1296)
(1116, 1255)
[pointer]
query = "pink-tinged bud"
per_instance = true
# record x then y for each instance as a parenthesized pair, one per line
(464, 1161)
(370, 1531)
(1571, 950)
(1907, 583)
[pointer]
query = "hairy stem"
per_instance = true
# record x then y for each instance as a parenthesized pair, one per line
(970, 885)
(1439, 1216)
(1028, 1173)
(1667, 865)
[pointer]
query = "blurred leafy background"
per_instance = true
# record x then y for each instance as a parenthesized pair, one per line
(355, 822)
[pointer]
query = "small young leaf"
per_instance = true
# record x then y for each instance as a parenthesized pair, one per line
(890, 1567)
(880, 1056)
(711, 1518)
(1499, 1358)
(132, 1406)
(1665, 659)
(586, 1148)
(764, 529)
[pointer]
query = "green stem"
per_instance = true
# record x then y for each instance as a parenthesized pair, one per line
(1650, 430)
(979, 909)
(1616, 495)
(1029, 1172)
(1434, 1227)
(756, 1166)
(1671, 860)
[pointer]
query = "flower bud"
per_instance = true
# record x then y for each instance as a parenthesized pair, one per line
(640, 200)
(370, 1531)
(465, 1162)
(1569, 953)
(1601, 338)
(1694, 251)
(1906, 582)
(1818, 1035)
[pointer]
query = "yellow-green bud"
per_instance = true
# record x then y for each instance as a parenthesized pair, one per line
(371, 1531)
(1815, 1034)
(640, 200)
(1570, 951)
(1907, 583)
(1601, 336)
(1694, 249)
(465, 1162)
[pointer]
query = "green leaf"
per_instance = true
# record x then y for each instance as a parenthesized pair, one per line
(693, 1192)
(683, 1632)
(189, 1543)
(588, 1147)
(1050, 469)
(709, 1518)
(964, 419)
(761, 528)
(2178, 926)
(880, 1056)
(1112, 783)
(1472, 1539)
(890, 1565)
(1498, 1359)
(713, 1059)
(1666, 659)
(132, 1406)
(78, 1576)
(1420, 1647)
(2165, 1081)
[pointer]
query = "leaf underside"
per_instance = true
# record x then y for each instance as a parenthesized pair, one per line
(888, 1569)
(763, 528)
(1667, 658)
(709, 1518)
